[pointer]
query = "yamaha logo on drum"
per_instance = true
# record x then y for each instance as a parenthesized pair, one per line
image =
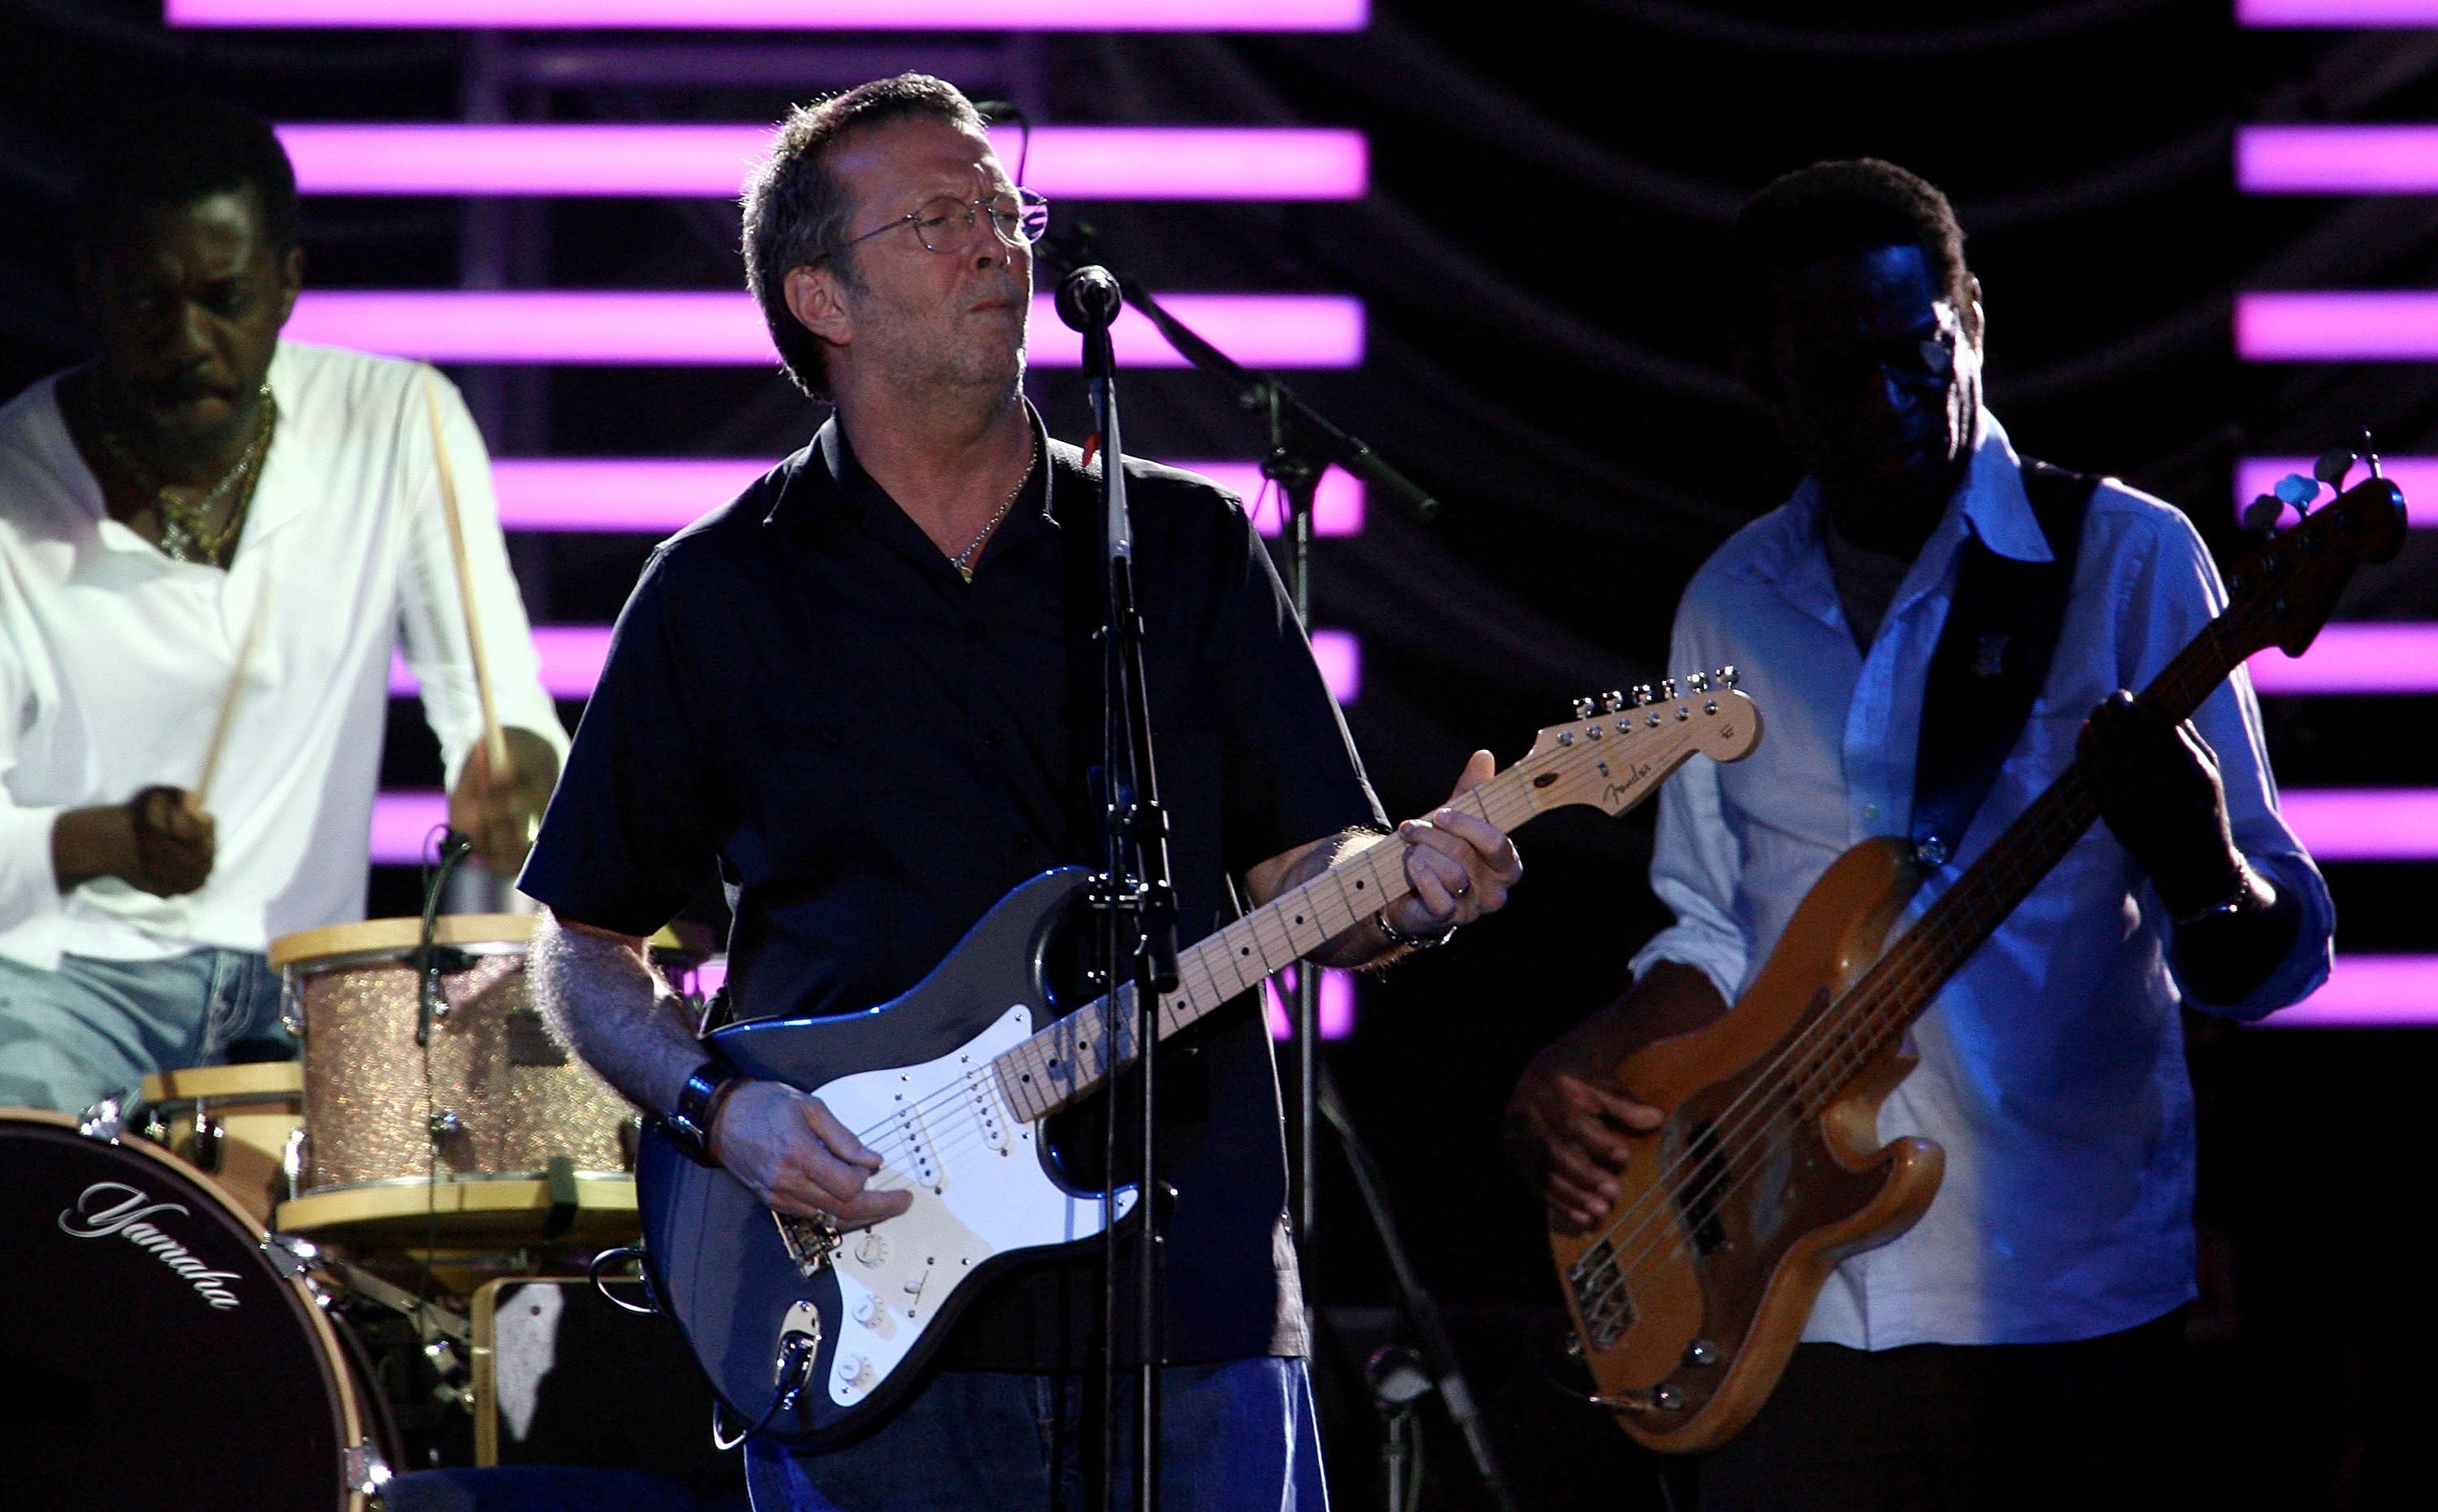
(110, 1208)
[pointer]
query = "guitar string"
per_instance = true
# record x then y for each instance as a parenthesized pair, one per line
(1274, 910)
(1934, 937)
(2175, 682)
(890, 1134)
(1930, 939)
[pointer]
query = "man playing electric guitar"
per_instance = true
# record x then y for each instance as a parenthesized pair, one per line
(2018, 1345)
(849, 696)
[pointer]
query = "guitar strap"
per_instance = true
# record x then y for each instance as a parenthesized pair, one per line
(2002, 631)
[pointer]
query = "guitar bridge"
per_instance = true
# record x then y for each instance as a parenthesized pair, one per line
(811, 1245)
(1600, 1296)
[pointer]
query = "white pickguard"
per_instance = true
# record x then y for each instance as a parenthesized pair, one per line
(980, 1190)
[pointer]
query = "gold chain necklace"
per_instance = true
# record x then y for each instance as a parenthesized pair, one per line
(185, 536)
(962, 561)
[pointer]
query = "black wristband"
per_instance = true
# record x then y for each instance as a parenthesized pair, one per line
(689, 1122)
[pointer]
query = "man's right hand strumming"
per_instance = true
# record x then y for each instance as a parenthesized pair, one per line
(154, 842)
(1569, 1127)
(792, 1153)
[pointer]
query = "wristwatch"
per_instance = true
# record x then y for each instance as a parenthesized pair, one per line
(690, 1123)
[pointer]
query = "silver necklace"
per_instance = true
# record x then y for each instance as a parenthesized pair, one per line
(963, 560)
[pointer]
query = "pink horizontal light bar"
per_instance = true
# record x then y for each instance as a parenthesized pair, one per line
(2362, 657)
(787, 15)
(2337, 159)
(2416, 476)
(2368, 993)
(717, 329)
(2333, 14)
(2386, 325)
(1064, 162)
(1335, 1013)
(2364, 823)
(572, 656)
(402, 826)
(656, 496)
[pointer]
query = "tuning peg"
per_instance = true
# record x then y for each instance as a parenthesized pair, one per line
(2371, 456)
(2263, 513)
(1643, 695)
(1698, 682)
(1727, 676)
(1613, 702)
(2331, 469)
(2299, 491)
(1585, 707)
(1667, 689)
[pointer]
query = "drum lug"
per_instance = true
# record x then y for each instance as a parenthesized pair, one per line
(205, 1146)
(104, 1121)
(366, 1471)
(291, 1162)
(290, 1256)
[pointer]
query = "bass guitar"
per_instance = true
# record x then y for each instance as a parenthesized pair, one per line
(1767, 1171)
(814, 1333)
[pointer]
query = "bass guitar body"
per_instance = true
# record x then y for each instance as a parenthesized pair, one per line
(1736, 1209)
(769, 1303)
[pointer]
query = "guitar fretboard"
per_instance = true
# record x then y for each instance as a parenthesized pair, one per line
(1071, 1058)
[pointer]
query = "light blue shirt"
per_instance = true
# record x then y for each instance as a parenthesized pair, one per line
(2053, 1066)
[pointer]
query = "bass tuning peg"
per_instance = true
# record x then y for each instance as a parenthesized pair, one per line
(1585, 707)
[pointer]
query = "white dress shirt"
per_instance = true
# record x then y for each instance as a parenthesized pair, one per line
(114, 658)
(2053, 1066)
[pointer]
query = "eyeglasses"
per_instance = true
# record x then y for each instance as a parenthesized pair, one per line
(1019, 218)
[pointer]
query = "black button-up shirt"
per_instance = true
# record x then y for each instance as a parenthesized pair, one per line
(804, 696)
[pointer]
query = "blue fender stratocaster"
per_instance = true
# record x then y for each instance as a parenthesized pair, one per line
(815, 1334)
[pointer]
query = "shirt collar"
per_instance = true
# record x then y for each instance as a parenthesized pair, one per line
(825, 478)
(1988, 502)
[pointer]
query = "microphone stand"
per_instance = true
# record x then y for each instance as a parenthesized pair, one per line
(1135, 880)
(1303, 442)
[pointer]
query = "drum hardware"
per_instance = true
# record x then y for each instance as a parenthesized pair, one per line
(621, 1255)
(205, 1149)
(291, 1161)
(366, 1471)
(104, 1120)
(290, 1256)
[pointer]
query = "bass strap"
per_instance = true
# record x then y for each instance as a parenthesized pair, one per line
(1992, 657)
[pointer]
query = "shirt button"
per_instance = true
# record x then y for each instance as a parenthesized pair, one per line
(1870, 811)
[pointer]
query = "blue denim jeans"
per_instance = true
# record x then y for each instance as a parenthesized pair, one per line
(95, 1028)
(1236, 1437)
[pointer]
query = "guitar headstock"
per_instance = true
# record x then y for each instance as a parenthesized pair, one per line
(1617, 749)
(2283, 590)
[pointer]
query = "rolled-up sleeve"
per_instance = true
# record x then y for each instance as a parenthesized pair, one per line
(432, 621)
(2183, 593)
(1697, 861)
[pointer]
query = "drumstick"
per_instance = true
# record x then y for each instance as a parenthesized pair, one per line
(202, 790)
(495, 743)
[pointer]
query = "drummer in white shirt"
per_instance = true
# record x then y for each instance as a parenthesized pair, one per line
(203, 507)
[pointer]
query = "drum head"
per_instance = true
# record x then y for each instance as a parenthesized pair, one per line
(150, 1353)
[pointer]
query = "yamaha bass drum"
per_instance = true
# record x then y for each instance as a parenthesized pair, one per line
(154, 1352)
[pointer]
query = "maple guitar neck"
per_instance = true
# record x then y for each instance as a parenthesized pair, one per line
(1901, 986)
(1579, 764)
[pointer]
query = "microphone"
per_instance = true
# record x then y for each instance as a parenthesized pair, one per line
(1089, 298)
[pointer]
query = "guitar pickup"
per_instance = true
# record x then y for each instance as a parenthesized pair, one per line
(981, 1097)
(1600, 1296)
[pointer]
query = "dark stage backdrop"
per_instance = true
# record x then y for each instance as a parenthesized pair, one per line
(1540, 257)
